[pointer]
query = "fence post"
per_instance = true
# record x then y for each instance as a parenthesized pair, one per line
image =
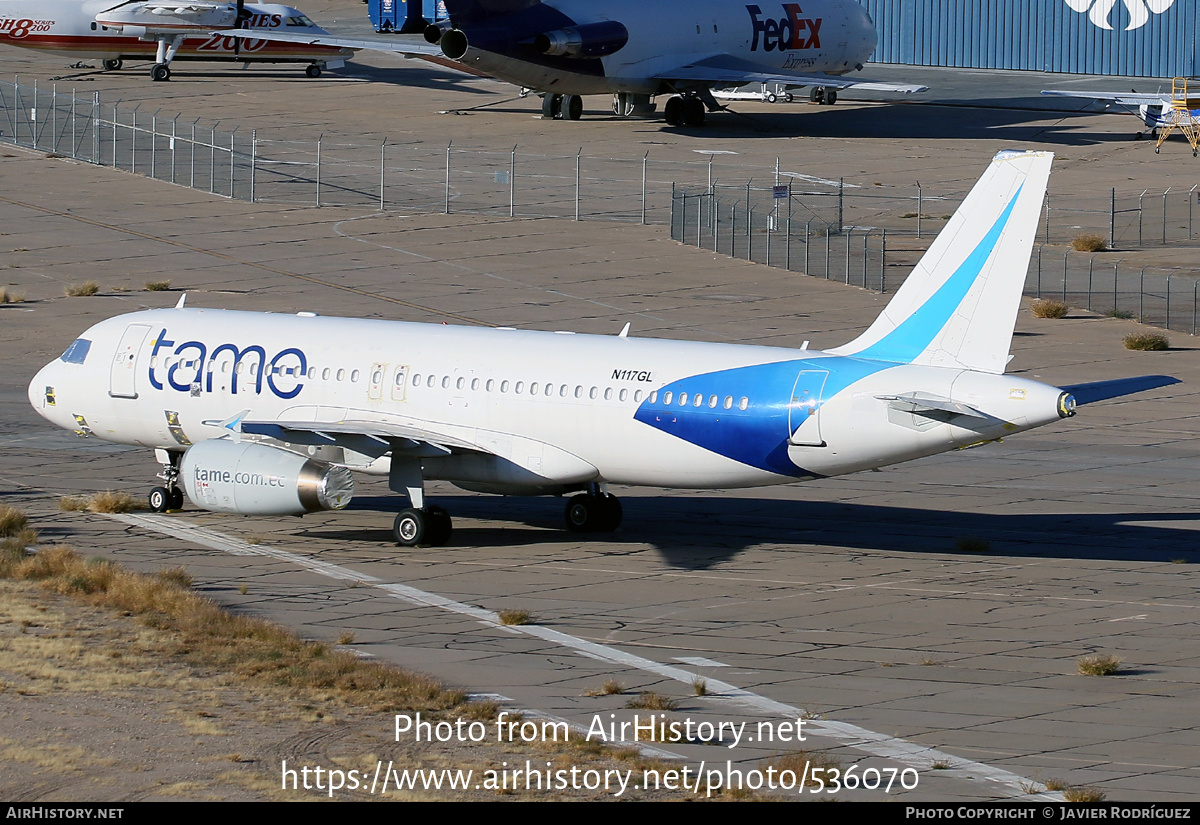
(1168, 300)
(1115, 266)
(174, 132)
(1091, 265)
(53, 117)
(1047, 221)
(212, 159)
(841, 203)
(253, 162)
(133, 139)
(1065, 254)
(827, 228)
(154, 142)
(807, 245)
(1195, 284)
(232, 164)
(767, 227)
(1164, 224)
(749, 233)
(1190, 200)
(74, 126)
(716, 222)
(883, 261)
(1142, 295)
(382, 175)
(920, 208)
(114, 133)
(733, 230)
(1140, 213)
(578, 161)
(865, 235)
(96, 127)
(1112, 220)
(787, 249)
(512, 182)
(192, 160)
(846, 268)
(1039, 271)
(320, 137)
(448, 147)
(646, 160)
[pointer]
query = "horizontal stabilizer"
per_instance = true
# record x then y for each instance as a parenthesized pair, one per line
(1101, 390)
(922, 402)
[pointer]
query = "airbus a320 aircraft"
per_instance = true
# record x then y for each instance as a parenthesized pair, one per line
(263, 414)
(117, 30)
(635, 50)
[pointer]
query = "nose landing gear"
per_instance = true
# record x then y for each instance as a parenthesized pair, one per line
(170, 497)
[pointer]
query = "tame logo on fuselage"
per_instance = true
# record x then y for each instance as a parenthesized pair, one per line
(786, 34)
(190, 367)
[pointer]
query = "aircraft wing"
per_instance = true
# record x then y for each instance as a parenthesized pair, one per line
(725, 69)
(1120, 98)
(359, 435)
(408, 46)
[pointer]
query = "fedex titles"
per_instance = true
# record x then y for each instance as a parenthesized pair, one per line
(190, 367)
(15, 28)
(788, 32)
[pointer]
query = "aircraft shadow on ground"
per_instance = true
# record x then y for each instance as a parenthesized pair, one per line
(700, 532)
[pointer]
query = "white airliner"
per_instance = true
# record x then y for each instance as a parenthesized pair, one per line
(635, 50)
(258, 413)
(117, 30)
(1162, 112)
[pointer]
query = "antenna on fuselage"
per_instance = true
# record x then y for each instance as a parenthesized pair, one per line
(625, 332)
(182, 301)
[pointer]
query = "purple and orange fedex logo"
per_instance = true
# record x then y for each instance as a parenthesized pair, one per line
(788, 33)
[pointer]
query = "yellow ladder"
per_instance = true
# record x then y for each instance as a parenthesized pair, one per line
(1180, 117)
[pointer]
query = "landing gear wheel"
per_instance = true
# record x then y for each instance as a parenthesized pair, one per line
(772, 97)
(176, 502)
(593, 514)
(113, 65)
(693, 111)
(572, 107)
(313, 70)
(410, 527)
(673, 112)
(817, 95)
(160, 72)
(789, 98)
(439, 526)
(830, 97)
(1157, 149)
(551, 106)
(159, 499)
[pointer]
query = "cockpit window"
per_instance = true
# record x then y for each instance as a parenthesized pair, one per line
(77, 352)
(300, 20)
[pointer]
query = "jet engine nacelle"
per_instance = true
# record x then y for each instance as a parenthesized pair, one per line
(256, 480)
(588, 40)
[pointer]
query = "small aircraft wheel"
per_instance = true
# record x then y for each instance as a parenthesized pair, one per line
(159, 499)
(551, 106)
(160, 72)
(313, 70)
(817, 95)
(582, 513)
(1157, 149)
(673, 111)
(411, 527)
(772, 97)
(612, 513)
(439, 526)
(789, 98)
(176, 502)
(830, 97)
(572, 107)
(1137, 135)
(113, 65)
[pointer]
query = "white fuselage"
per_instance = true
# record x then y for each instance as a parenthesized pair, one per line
(818, 36)
(529, 411)
(79, 29)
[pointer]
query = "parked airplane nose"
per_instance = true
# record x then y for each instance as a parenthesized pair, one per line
(41, 390)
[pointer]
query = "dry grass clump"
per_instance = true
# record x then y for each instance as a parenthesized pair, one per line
(1049, 308)
(1089, 242)
(73, 504)
(157, 286)
(1083, 793)
(972, 544)
(1146, 341)
(210, 637)
(611, 687)
(700, 686)
(1098, 664)
(7, 297)
(12, 521)
(817, 765)
(515, 617)
(1055, 784)
(649, 700)
(84, 290)
(112, 501)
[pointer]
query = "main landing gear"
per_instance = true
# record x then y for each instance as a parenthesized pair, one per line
(422, 525)
(170, 497)
(822, 96)
(684, 111)
(113, 65)
(593, 512)
(562, 107)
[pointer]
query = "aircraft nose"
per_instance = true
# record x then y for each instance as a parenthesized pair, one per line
(41, 390)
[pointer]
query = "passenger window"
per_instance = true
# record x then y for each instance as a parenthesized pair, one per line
(608, 393)
(578, 392)
(624, 394)
(593, 393)
(503, 386)
(683, 397)
(667, 397)
(729, 402)
(744, 403)
(490, 384)
(654, 397)
(474, 383)
(637, 396)
(520, 386)
(462, 382)
(354, 377)
(562, 391)
(341, 374)
(399, 379)
(533, 388)
(445, 382)
(699, 400)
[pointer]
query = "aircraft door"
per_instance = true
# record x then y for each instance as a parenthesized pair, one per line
(122, 379)
(378, 376)
(804, 411)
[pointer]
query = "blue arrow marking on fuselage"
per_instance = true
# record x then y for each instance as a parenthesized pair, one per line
(758, 435)
(916, 332)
